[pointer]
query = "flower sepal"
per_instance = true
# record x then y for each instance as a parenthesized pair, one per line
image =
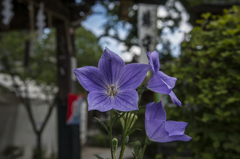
(148, 141)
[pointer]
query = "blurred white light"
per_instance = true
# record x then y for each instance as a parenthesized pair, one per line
(162, 12)
(111, 6)
(135, 7)
(159, 24)
(81, 13)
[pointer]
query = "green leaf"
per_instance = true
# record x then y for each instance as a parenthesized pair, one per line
(216, 144)
(121, 115)
(131, 131)
(232, 99)
(116, 111)
(102, 124)
(133, 154)
(99, 157)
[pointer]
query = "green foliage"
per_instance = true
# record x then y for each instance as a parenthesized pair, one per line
(99, 157)
(88, 51)
(208, 85)
(41, 65)
(13, 152)
(102, 123)
(41, 154)
(100, 140)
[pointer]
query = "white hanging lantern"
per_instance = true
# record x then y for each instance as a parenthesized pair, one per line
(7, 12)
(40, 21)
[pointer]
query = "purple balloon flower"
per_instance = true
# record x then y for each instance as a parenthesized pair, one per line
(160, 130)
(112, 85)
(160, 82)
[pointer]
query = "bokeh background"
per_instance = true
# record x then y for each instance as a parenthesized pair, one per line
(42, 41)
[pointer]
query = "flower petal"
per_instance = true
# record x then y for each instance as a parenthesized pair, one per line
(133, 75)
(150, 61)
(99, 100)
(149, 104)
(154, 61)
(161, 83)
(177, 138)
(152, 126)
(125, 100)
(111, 66)
(175, 127)
(90, 78)
(161, 135)
(175, 99)
(155, 111)
(164, 139)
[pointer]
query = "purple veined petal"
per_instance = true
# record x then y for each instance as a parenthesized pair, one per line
(155, 61)
(111, 66)
(179, 138)
(149, 104)
(90, 78)
(175, 99)
(156, 111)
(175, 128)
(161, 83)
(152, 127)
(133, 75)
(99, 100)
(173, 138)
(161, 135)
(150, 61)
(125, 100)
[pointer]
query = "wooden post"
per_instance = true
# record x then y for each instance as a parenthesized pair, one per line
(68, 136)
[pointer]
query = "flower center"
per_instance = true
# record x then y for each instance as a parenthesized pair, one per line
(111, 90)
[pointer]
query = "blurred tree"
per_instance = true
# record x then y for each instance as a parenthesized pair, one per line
(39, 69)
(175, 16)
(208, 85)
(171, 20)
(26, 70)
(88, 51)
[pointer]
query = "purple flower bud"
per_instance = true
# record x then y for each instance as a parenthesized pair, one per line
(160, 82)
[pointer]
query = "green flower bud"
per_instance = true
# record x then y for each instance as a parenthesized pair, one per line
(131, 118)
(122, 120)
(114, 144)
(137, 147)
(147, 78)
(127, 140)
(113, 117)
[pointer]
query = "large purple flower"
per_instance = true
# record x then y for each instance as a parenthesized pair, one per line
(160, 82)
(160, 130)
(112, 85)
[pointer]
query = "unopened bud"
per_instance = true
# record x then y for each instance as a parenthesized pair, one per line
(131, 120)
(147, 78)
(114, 144)
(137, 147)
(113, 117)
(127, 140)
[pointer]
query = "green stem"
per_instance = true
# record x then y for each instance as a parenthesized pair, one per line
(110, 131)
(147, 142)
(140, 92)
(144, 148)
(127, 126)
(135, 112)
(124, 136)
